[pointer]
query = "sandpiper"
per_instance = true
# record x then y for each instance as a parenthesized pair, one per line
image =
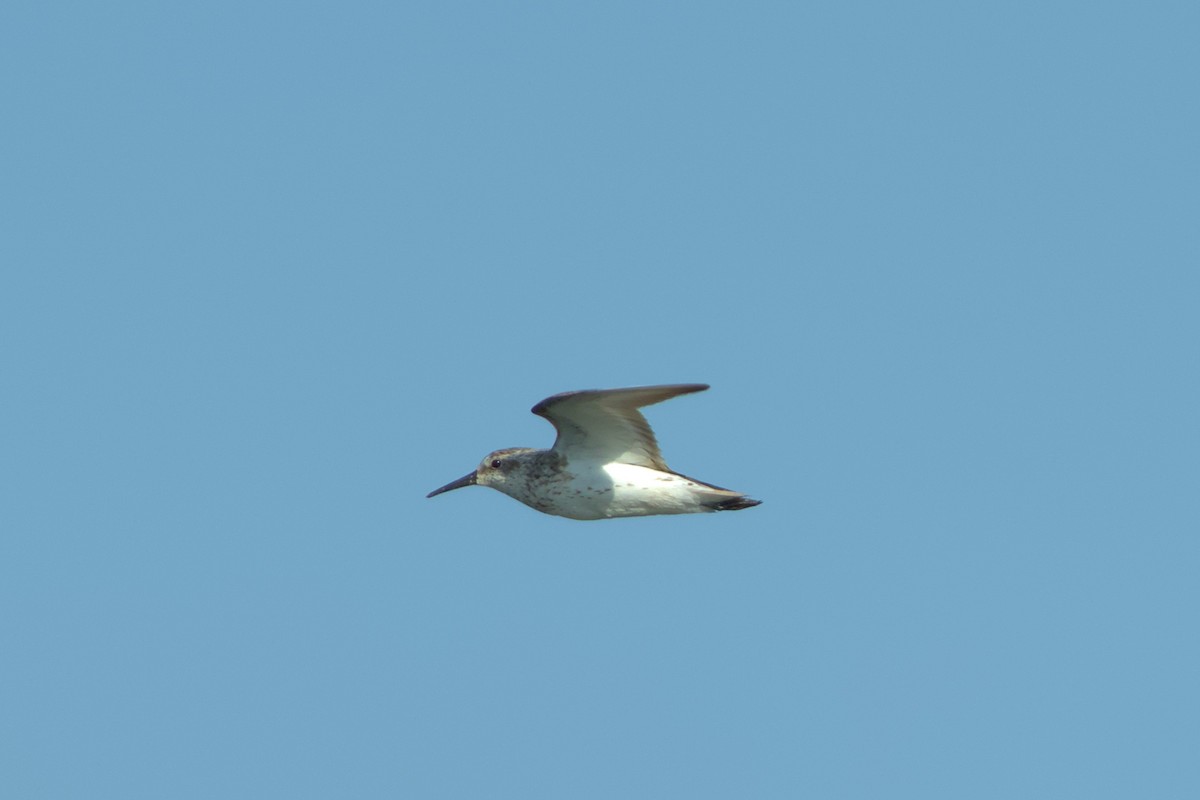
(605, 462)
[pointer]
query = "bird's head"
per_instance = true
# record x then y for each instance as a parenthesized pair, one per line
(497, 469)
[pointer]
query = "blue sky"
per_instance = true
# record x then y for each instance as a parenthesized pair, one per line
(274, 271)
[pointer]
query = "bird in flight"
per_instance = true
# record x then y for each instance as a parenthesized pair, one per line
(605, 462)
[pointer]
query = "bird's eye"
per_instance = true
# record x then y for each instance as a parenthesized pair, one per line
(495, 463)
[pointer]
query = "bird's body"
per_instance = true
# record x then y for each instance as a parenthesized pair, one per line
(605, 462)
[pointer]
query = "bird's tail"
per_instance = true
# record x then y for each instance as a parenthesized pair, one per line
(735, 504)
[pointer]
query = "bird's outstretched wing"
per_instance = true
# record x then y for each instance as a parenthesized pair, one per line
(605, 424)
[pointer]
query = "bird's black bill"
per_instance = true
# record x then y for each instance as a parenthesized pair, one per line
(465, 480)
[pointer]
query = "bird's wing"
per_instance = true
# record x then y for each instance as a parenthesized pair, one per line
(605, 424)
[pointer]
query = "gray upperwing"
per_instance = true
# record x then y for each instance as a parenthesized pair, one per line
(605, 425)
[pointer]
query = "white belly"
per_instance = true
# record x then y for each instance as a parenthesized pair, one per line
(626, 490)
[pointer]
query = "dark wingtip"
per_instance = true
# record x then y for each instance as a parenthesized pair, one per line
(680, 389)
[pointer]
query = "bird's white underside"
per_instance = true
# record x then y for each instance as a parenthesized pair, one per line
(603, 491)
